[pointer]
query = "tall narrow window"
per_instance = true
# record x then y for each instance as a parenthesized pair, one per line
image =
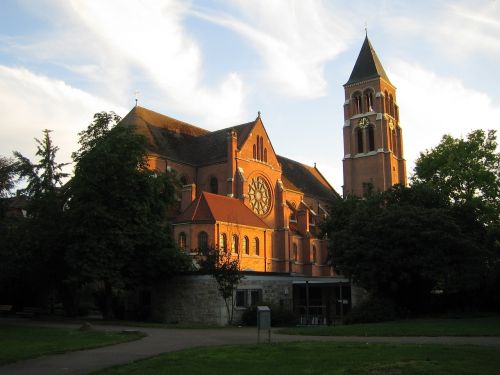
(223, 242)
(258, 148)
(265, 155)
(234, 244)
(359, 139)
(357, 103)
(391, 105)
(202, 241)
(255, 151)
(295, 253)
(214, 185)
(371, 138)
(256, 246)
(261, 148)
(182, 241)
(386, 100)
(314, 254)
(368, 101)
(245, 245)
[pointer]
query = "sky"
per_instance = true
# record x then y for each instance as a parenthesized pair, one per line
(216, 63)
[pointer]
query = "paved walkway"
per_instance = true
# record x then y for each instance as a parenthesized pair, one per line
(167, 340)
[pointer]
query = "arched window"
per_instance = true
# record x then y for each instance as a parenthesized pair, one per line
(295, 252)
(245, 244)
(265, 155)
(258, 148)
(214, 185)
(182, 241)
(371, 138)
(391, 105)
(254, 151)
(256, 249)
(368, 100)
(235, 244)
(386, 99)
(358, 108)
(223, 242)
(314, 254)
(261, 148)
(202, 240)
(359, 140)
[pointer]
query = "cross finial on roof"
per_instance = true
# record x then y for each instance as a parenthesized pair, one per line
(136, 93)
(258, 114)
(366, 29)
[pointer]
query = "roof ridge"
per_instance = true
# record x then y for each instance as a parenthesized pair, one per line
(138, 109)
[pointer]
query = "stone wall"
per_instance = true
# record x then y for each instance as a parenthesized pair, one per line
(195, 298)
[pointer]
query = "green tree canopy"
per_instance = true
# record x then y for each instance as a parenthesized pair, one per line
(404, 243)
(7, 176)
(34, 256)
(467, 170)
(117, 208)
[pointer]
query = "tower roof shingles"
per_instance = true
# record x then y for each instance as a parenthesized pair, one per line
(367, 65)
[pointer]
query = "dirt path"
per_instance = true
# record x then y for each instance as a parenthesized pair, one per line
(167, 340)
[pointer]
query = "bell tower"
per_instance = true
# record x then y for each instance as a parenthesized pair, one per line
(373, 138)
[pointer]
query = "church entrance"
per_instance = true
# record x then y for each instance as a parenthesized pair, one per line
(319, 303)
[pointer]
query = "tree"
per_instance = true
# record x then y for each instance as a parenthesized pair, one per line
(119, 233)
(36, 256)
(465, 170)
(7, 176)
(103, 122)
(225, 269)
(404, 243)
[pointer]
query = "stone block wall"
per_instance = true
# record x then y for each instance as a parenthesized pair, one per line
(195, 298)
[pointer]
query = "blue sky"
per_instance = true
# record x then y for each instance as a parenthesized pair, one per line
(216, 63)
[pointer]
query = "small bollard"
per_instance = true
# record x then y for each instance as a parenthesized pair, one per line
(263, 322)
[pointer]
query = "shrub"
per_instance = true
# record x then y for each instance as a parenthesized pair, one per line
(373, 310)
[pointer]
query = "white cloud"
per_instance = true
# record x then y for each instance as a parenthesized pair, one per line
(150, 37)
(30, 103)
(294, 38)
(467, 28)
(432, 105)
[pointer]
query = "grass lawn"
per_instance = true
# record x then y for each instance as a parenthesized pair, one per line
(18, 342)
(486, 326)
(320, 358)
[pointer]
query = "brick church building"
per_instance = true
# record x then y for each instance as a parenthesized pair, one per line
(239, 194)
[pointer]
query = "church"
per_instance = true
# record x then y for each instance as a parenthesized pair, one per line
(238, 194)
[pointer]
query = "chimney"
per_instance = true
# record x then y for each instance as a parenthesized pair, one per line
(188, 195)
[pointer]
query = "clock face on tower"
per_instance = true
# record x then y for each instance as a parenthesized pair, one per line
(259, 195)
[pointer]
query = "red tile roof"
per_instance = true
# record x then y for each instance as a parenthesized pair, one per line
(210, 208)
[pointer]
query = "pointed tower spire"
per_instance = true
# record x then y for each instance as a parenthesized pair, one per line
(367, 65)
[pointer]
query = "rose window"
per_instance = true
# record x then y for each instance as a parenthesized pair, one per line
(259, 195)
